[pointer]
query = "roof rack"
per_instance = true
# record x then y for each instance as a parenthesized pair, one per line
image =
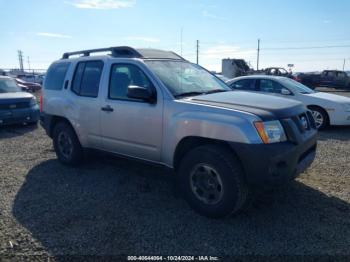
(129, 52)
(117, 51)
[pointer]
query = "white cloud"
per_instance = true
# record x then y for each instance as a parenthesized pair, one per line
(53, 35)
(142, 39)
(327, 21)
(225, 51)
(102, 4)
(207, 14)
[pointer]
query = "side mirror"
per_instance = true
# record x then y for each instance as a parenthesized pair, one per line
(141, 93)
(286, 92)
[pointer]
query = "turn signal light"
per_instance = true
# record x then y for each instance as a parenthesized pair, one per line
(261, 130)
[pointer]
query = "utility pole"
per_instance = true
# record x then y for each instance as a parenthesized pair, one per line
(20, 59)
(344, 64)
(197, 47)
(28, 63)
(258, 56)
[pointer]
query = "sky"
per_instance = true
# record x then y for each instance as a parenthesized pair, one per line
(312, 35)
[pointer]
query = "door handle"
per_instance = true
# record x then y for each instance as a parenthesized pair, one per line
(107, 108)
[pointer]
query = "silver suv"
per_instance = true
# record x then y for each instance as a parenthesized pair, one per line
(155, 106)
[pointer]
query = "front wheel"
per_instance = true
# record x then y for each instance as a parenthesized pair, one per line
(320, 117)
(212, 181)
(66, 144)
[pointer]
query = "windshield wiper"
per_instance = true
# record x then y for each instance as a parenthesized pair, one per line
(196, 93)
(216, 91)
(193, 93)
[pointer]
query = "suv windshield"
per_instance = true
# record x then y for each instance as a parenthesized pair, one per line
(297, 87)
(186, 79)
(8, 85)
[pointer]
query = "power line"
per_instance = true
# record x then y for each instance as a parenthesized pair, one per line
(306, 47)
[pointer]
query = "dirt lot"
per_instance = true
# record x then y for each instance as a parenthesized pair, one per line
(113, 206)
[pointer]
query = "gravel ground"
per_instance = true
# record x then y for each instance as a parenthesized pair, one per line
(112, 206)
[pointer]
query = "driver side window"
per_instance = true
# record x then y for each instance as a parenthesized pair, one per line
(125, 75)
(245, 84)
(270, 86)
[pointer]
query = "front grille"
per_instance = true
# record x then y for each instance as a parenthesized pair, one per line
(298, 125)
(16, 105)
(304, 121)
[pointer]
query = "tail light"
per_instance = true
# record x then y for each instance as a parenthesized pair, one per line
(41, 103)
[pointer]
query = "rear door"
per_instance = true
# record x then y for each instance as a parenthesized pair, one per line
(83, 104)
(128, 126)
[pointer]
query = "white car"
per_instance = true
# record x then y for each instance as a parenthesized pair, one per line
(327, 109)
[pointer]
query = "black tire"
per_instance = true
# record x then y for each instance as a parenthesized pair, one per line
(318, 111)
(234, 195)
(75, 155)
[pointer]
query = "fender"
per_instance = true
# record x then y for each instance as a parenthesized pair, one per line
(210, 125)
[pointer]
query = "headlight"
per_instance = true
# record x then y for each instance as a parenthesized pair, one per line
(33, 101)
(270, 132)
(346, 107)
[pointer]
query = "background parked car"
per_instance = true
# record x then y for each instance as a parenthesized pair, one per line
(277, 71)
(328, 78)
(32, 78)
(16, 106)
(31, 87)
(327, 109)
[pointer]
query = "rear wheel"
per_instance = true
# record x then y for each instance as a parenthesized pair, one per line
(66, 144)
(320, 117)
(212, 181)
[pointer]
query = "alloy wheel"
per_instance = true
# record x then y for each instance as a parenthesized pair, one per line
(319, 119)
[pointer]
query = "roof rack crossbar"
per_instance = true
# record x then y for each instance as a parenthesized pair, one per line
(117, 51)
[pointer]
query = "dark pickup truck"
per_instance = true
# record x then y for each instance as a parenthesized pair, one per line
(328, 78)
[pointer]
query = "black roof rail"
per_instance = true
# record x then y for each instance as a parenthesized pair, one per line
(117, 51)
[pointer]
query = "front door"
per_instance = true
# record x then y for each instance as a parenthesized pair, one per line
(128, 126)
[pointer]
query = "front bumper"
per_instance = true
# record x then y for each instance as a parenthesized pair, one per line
(278, 163)
(19, 116)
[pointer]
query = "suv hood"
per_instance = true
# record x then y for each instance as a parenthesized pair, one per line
(14, 97)
(267, 107)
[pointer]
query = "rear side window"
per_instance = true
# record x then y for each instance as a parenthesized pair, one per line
(245, 84)
(55, 76)
(87, 78)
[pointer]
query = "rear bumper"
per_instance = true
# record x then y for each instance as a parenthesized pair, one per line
(278, 163)
(17, 116)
